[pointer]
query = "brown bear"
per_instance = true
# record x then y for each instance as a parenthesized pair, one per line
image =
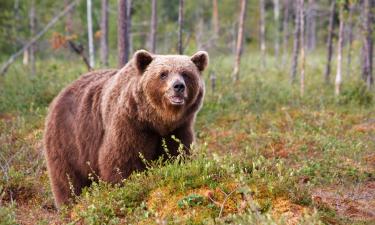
(103, 121)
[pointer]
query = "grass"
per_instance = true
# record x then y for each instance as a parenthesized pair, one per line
(261, 157)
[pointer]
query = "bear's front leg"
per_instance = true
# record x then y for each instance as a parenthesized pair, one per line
(114, 163)
(120, 152)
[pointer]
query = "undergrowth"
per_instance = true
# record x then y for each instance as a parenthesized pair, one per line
(262, 151)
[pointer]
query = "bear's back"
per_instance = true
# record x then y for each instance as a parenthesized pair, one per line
(75, 113)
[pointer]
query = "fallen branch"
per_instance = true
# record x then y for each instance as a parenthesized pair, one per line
(79, 50)
(225, 200)
(54, 20)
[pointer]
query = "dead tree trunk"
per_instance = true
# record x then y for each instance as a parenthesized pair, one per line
(32, 33)
(180, 26)
(367, 42)
(90, 33)
(350, 40)
(302, 36)
(296, 44)
(215, 18)
(154, 22)
(285, 31)
(79, 49)
(329, 41)
(340, 43)
(240, 34)
(122, 33)
(276, 13)
(262, 26)
(104, 33)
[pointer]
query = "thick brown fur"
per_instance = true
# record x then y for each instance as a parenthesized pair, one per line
(103, 121)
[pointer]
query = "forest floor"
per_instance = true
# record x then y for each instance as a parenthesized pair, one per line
(264, 155)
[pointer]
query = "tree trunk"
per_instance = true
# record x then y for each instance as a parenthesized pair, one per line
(122, 33)
(104, 31)
(32, 33)
(129, 25)
(199, 33)
(302, 36)
(285, 31)
(367, 42)
(350, 40)
(154, 22)
(339, 52)
(90, 33)
(262, 32)
(68, 20)
(296, 44)
(17, 28)
(311, 25)
(276, 12)
(240, 34)
(329, 41)
(180, 26)
(215, 18)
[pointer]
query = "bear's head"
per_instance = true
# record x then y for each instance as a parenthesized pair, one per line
(171, 83)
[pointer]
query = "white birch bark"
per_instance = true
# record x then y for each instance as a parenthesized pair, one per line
(90, 34)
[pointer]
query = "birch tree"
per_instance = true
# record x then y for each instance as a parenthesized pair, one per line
(153, 23)
(367, 62)
(180, 26)
(122, 33)
(241, 22)
(338, 80)
(32, 33)
(215, 18)
(262, 32)
(285, 30)
(90, 33)
(302, 37)
(296, 44)
(276, 13)
(311, 25)
(329, 41)
(350, 39)
(104, 33)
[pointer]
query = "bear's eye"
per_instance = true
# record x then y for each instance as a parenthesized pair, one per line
(163, 75)
(185, 75)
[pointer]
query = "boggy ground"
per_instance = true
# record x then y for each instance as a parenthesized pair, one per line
(263, 155)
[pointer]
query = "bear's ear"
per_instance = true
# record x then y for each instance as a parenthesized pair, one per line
(142, 59)
(200, 59)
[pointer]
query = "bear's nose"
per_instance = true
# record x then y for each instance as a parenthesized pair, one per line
(178, 87)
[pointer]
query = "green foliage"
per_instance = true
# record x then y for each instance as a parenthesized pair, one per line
(190, 201)
(20, 92)
(356, 93)
(8, 215)
(257, 139)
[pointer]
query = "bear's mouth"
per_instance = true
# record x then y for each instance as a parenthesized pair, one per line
(177, 100)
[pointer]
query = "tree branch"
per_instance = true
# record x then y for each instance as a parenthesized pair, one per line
(6, 65)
